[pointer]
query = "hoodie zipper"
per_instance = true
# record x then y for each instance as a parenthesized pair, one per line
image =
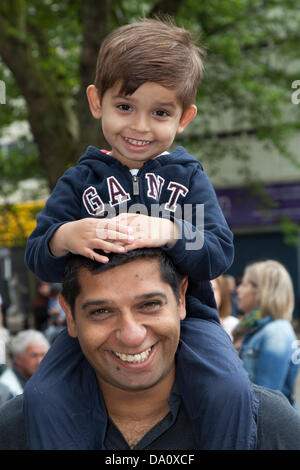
(135, 184)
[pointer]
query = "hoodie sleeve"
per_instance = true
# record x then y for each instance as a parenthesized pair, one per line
(205, 247)
(64, 205)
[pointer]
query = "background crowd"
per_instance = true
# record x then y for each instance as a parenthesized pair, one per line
(26, 341)
(256, 312)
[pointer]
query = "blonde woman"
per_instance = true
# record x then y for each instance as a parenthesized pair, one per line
(268, 348)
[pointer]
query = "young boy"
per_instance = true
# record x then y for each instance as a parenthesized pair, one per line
(144, 93)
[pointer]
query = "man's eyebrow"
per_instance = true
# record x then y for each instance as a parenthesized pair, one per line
(101, 302)
(150, 295)
(95, 303)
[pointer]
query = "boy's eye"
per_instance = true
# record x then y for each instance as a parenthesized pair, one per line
(161, 113)
(124, 107)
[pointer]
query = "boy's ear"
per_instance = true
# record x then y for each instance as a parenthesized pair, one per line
(187, 117)
(94, 101)
(71, 324)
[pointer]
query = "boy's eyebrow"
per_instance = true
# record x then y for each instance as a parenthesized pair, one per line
(167, 104)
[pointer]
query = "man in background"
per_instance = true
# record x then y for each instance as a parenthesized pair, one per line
(27, 349)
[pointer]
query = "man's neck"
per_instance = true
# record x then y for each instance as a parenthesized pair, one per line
(135, 412)
(139, 403)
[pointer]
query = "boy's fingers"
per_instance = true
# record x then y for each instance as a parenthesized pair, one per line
(96, 257)
(107, 234)
(107, 246)
(113, 224)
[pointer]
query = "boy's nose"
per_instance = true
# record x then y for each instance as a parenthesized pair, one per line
(140, 123)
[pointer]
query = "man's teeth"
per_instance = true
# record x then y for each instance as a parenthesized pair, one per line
(133, 357)
(137, 142)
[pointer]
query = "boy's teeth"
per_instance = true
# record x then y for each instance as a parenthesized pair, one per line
(133, 357)
(137, 142)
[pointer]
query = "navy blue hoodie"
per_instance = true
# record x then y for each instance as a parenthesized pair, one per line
(175, 183)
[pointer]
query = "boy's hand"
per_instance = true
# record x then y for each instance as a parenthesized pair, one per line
(149, 231)
(83, 236)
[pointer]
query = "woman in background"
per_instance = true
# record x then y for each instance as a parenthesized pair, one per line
(268, 341)
(224, 304)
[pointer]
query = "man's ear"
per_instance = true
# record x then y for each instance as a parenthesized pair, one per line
(71, 324)
(186, 118)
(94, 101)
(182, 292)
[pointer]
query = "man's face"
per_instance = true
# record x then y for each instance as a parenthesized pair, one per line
(127, 321)
(28, 362)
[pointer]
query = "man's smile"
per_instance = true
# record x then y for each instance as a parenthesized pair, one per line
(140, 357)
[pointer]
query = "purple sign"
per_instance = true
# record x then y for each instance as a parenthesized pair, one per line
(243, 207)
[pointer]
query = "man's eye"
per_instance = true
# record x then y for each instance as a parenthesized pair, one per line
(99, 313)
(153, 305)
(124, 107)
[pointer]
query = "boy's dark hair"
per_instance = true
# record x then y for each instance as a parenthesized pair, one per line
(71, 287)
(151, 50)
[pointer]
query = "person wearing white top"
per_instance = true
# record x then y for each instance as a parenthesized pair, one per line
(223, 302)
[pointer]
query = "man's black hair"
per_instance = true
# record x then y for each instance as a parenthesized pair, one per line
(71, 286)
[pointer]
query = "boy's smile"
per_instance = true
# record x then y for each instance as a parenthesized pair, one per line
(140, 126)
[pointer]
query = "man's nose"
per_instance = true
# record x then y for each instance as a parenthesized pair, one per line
(131, 333)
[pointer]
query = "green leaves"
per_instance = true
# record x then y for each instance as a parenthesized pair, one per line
(251, 63)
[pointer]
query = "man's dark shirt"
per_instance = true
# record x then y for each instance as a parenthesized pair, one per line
(166, 435)
(278, 427)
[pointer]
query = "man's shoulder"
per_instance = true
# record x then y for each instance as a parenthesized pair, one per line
(12, 425)
(278, 422)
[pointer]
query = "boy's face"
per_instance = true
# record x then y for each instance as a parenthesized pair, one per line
(140, 126)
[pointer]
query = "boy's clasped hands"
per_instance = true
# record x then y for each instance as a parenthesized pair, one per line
(119, 234)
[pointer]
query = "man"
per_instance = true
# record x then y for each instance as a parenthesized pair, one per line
(28, 349)
(126, 316)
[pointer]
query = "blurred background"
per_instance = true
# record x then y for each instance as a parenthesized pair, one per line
(246, 134)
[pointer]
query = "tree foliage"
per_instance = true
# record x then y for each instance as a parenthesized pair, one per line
(49, 49)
